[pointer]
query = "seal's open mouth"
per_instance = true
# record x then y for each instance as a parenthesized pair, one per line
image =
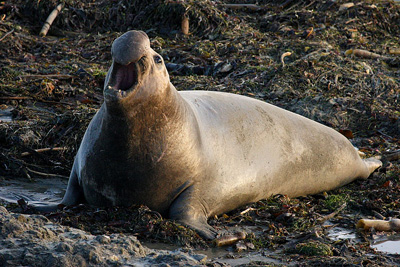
(123, 79)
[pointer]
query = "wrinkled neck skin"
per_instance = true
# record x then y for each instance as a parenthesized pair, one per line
(150, 119)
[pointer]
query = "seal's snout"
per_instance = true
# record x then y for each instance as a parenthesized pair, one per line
(128, 52)
(130, 47)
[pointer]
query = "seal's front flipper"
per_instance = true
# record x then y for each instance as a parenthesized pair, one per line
(190, 212)
(47, 208)
(74, 194)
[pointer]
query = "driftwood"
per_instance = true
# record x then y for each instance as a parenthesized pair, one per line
(364, 54)
(185, 24)
(379, 225)
(50, 19)
(229, 239)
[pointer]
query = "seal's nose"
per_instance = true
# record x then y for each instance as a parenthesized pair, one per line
(130, 47)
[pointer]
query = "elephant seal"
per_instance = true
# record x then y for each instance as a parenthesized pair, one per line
(193, 154)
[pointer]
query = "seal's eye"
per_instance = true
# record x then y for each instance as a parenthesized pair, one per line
(157, 59)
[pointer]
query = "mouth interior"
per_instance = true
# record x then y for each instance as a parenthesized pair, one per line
(124, 77)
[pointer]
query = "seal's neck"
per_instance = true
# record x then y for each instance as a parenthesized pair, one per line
(153, 122)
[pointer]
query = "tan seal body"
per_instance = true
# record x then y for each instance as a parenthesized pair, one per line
(191, 155)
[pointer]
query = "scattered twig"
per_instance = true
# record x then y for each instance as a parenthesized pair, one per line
(285, 4)
(183, 69)
(45, 174)
(392, 156)
(247, 210)
(331, 215)
(241, 6)
(283, 57)
(40, 76)
(346, 6)
(385, 135)
(15, 97)
(40, 150)
(50, 19)
(7, 34)
(310, 32)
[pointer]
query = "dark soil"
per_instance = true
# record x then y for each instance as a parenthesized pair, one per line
(52, 86)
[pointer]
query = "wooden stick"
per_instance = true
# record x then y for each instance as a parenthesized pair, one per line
(229, 239)
(50, 19)
(7, 34)
(45, 174)
(247, 210)
(40, 150)
(331, 215)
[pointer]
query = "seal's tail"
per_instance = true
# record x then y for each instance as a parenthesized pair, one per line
(372, 164)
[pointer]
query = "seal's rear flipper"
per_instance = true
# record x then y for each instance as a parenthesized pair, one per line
(201, 227)
(372, 164)
(188, 210)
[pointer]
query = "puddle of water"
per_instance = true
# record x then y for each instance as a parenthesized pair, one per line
(42, 191)
(6, 115)
(247, 258)
(388, 244)
(337, 233)
(223, 254)
(5, 119)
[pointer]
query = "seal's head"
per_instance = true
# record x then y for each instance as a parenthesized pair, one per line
(137, 70)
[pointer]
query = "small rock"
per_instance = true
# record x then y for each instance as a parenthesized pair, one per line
(200, 258)
(64, 247)
(250, 245)
(3, 210)
(103, 239)
(240, 246)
